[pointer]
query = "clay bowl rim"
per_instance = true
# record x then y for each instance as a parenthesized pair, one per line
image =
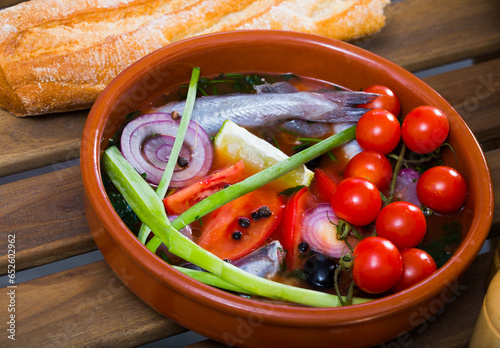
(229, 303)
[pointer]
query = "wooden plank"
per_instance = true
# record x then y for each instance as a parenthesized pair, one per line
(7, 3)
(33, 142)
(85, 306)
(420, 34)
(46, 215)
(493, 158)
(428, 28)
(475, 93)
(57, 227)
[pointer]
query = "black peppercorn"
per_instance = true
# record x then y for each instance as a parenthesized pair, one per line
(265, 212)
(303, 247)
(175, 115)
(256, 215)
(244, 222)
(182, 162)
(237, 235)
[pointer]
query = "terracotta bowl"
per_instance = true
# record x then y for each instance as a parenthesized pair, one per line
(238, 321)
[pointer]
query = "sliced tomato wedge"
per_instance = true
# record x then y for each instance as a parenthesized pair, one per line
(324, 184)
(182, 200)
(236, 228)
(291, 234)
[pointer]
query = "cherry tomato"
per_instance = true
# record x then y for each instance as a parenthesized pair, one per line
(387, 100)
(424, 129)
(356, 200)
(291, 234)
(239, 227)
(372, 166)
(442, 188)
(417, 265)
(377, 265)
(402, 223)
(378, 130)
(182, 200)
(324, 184)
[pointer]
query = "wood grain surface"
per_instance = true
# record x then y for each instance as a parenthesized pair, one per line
(425, 33)
(85, 306)
(46, 215)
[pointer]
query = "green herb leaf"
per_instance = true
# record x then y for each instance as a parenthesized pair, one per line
(290, 191)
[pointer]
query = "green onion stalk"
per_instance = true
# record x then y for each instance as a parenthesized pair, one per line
(149, 208)
(162, 188)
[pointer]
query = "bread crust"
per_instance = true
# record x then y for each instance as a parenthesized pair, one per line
(57, 56)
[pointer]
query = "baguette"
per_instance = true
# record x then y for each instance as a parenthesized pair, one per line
(58, 55)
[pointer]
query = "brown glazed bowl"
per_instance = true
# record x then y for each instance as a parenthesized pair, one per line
(238, 321)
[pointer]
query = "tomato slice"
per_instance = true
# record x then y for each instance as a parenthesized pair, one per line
(324, 184)
(292, 227)
(234, 230)
(182, 200)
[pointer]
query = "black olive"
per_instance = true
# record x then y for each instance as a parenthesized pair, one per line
(320, 271)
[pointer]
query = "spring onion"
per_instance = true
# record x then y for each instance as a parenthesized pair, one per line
(169, 169)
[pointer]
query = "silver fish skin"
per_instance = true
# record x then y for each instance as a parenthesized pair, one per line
(277, 87)
(264, 262)
(266, 109)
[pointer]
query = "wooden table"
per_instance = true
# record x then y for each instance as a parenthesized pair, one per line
(88, 306)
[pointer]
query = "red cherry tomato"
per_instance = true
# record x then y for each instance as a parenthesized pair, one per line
(377, 265)
(417, 265)
(372, 166)
(424, 129)
(291, 234)
(356, 200)
(442, 188)
(378, 130)
(387, 100)
(402, 223)
(223, 232)
(182, 200)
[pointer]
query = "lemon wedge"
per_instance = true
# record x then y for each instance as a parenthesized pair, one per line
(234, 143)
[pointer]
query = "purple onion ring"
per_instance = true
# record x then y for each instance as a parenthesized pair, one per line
(147, 141)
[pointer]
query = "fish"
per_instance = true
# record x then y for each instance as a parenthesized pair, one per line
(267, 109)
(264, 262)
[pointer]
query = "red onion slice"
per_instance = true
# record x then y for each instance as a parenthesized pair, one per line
(406, 186)
(147, 142)
(320, 231)
(157, 150)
